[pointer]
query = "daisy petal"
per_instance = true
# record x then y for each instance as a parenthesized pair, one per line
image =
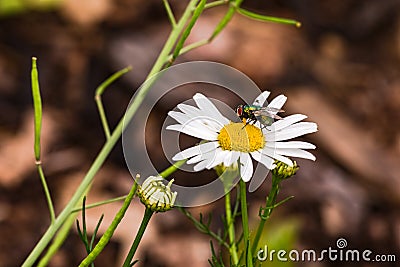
(180, 117)
(202, 133)
(200, 166)
(219, 158)
(260, 100)
(263, 159)
(278, 102)
(290, 144)
(209, 108)
(246, 167)
(232, 158)
(285, 122)
(195, 150)
(273, 154)
(189, 110)
(195, 159)
(208, 158)
(295, 152)
(291, 131)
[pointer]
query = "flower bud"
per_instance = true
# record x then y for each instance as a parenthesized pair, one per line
(155, 195)
(284, 171)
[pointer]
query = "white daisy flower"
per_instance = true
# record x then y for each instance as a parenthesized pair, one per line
(229, 142)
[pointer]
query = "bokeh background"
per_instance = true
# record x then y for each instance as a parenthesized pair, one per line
(341, 68)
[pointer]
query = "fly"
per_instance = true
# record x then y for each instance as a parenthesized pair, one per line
(254, 113)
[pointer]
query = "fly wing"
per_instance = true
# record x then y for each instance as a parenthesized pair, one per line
(264, 119)
(269, 112)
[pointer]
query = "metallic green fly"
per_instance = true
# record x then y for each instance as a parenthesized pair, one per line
(254, 113)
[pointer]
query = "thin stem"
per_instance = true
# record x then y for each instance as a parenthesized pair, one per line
(216, 3)
(37, 106)
(171, 16)
(100, 203)
(173, 168)
(265, 212)
(100, 90)
(61, 236)
(231, 229)
(110, 230)
(167, 172)
(110, 143)
(146, 218)
(225, 20)
(190, 47)
(245, 224)
(46, 192)
(58, 241)
(198, 10)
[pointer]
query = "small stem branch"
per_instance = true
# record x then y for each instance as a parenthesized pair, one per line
(173, 168)
(171, 16)
(146, 218)
(188, 48)
(265, 212)
(216, 3)
(47, 193)
(197, 11)
(99, 91)
(110, 230)
(225, 20)
(100, 203)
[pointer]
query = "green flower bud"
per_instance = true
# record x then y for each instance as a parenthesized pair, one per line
(155, 195)
(284, 171)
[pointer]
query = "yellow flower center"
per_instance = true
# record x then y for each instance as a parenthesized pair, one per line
(237, 137)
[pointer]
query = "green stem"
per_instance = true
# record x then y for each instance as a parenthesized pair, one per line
(58, 241)
(46, 192)
(265, 213)
(225, 20)
(216, 3)
(110, 143)
(167, 172)
(37, 107)
(173, 168)
(245, 224)
(170, 14)
(231, 229)
(146, 218)
(100, 203)
(100, 90)
(110, 230)
(188, 29)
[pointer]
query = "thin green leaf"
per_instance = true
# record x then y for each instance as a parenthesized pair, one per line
(37, 106)
(95, 232)
(264, 18)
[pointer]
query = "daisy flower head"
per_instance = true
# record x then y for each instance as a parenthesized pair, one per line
(228, 142)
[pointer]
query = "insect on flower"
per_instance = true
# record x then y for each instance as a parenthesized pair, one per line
(254, 113)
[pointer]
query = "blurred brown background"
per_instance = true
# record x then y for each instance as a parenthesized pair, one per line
(341, 68)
